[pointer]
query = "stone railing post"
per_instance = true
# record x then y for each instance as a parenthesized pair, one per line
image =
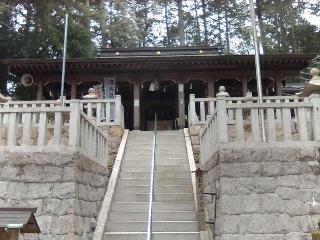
(118, 110)
(12, 130)
(315, 99)
(74, 123)
(192, 110)
(222, 117)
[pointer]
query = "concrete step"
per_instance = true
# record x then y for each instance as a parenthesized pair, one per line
(157, 189)
(163, 174)
(143, 143)
(155, 236)
(163, 161)
(174, 216)
(157, 197)
(167, 143)
(158, 181)
(149, 146)
(144, 156)
(159, 168)
(157, 226)
(157, 206)
(157, 160)
(170, 143)
(162, 150)
(156, 216)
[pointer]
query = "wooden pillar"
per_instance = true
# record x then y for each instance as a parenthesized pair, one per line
(13, 234)
(181, 105)
(39, 90)
(4, 72)
(244, 83)
(136, 106)
(210, 87)
(73, 89)
(278, 87)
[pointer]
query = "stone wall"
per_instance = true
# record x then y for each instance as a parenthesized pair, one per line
(115, 135)
(264, 191)
(66, 188)
(194, 132)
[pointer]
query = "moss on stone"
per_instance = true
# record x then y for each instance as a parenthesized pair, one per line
(315, 235)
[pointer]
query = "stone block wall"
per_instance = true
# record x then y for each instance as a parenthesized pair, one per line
(264, 192)
(66, 188)
(115, 135)
(194, 132)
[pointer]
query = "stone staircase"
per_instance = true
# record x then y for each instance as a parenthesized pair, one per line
(174, 215)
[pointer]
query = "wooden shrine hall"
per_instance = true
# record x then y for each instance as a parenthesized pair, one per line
(158, 80)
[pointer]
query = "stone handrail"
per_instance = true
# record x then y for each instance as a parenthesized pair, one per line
(102, 111)
(285, 121)
(47, 124)
(37, 126)
(93, 142)
(205, 107)
(209, 138)
(201, 108)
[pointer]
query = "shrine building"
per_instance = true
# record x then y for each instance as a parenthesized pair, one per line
(158, 80)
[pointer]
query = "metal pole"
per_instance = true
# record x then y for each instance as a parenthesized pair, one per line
(151, 192)
(64, 59)
(257, 63)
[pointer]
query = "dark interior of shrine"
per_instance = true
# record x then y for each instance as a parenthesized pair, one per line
(162, 100)
(125, 89)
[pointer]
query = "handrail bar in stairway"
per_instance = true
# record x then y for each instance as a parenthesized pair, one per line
(151, 192)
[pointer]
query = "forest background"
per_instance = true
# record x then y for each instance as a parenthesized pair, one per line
(34, 28)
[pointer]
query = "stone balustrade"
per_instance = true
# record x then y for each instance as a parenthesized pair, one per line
(102, 111)
(58, 159)
(238, 120)
(259, 164)
(200, 109)
(79, 123)
(93, 141)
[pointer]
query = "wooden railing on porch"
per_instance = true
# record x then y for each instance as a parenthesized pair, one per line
(239, 122)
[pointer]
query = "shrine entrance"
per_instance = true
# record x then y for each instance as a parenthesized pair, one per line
(161, 98)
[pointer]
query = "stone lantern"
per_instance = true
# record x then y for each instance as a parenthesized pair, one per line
(91, 94)
(222, 92)
(4, 99)
(313, 86)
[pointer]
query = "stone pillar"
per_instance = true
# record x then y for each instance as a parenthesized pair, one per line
(74, 123)
(118, 111)
(73, 89)
(278, 87)
(136, 106)
(244, 83)
(39, 90)
(222, 117)
(181, 105)
(315, 99)
(210, 87)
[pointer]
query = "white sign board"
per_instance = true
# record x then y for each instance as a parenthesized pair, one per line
(110, 93)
